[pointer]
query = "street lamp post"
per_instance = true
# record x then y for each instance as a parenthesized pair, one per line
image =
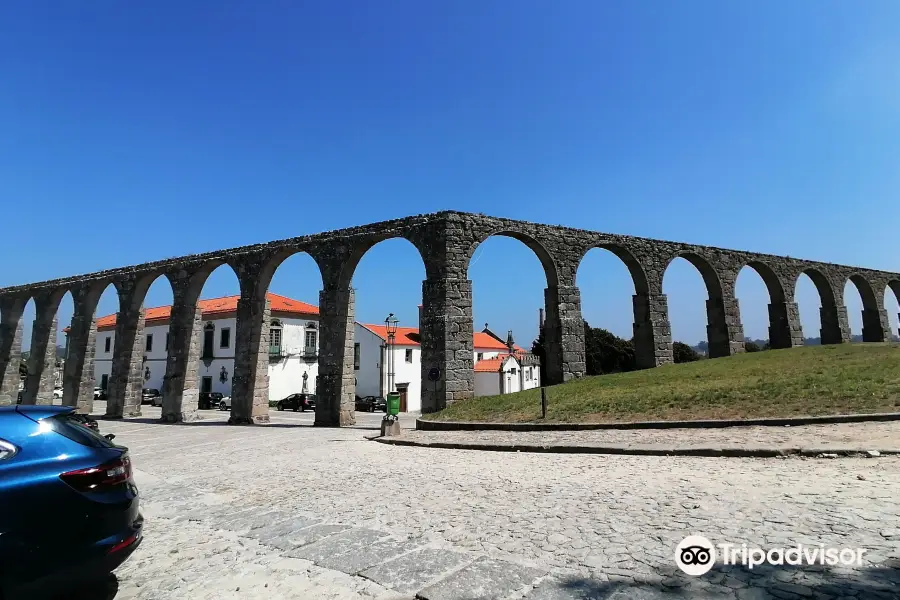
(390, 325)
(390, 425)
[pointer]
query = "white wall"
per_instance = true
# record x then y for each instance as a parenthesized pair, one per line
(409, 373)
(487, 384)
(371, 378)
(285, 377)
(368, 376)
(486, 353)
(534, 381)
(511, 383)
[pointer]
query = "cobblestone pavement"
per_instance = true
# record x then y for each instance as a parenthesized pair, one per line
(291, 511)
(865, 436)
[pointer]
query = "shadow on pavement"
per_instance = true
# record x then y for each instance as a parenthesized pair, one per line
(101, 589)
(762, 583)
(219, 423)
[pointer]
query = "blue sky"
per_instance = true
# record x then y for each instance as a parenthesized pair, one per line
(136, 132)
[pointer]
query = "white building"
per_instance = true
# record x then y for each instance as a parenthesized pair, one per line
(500, 367)
(293, 346)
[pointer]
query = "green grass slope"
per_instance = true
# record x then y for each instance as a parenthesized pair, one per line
(811, 380)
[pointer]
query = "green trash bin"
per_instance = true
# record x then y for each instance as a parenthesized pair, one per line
(393, 403)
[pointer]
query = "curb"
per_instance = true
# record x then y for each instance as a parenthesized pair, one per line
(640, 450)
(707, 424)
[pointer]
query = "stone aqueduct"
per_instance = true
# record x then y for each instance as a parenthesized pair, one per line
(446, 242)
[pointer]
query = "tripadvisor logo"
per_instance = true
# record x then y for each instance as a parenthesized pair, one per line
(696, 555)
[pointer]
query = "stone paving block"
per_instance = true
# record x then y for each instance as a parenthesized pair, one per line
(307, 535)
(250, 520)
(281, 529)
(414, 571)
(351, 540)
(220, 516)
(485, 579)
(361, 558)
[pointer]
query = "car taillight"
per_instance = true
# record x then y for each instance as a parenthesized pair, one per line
(100, 478)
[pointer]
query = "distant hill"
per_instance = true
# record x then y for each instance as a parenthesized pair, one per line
(703, 347)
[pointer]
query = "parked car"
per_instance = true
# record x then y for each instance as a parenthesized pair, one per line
(209, 400)
(87, 421)
(311, 402)
(74, 514)
(150, 395)
(296, 402)
(57, 393)
(100, 394)
(370, 403)
(225, 403)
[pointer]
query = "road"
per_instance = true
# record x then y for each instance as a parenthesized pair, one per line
(287, 510)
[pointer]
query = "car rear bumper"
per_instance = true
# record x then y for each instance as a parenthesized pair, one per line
(88, 565)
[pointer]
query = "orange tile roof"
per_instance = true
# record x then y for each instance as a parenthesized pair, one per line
(405, 336)
(490, 365)
(212, 306)
(409, 336)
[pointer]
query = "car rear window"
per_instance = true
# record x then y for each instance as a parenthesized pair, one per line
(70, 427)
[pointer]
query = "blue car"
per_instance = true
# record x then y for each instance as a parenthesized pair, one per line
(68, 503)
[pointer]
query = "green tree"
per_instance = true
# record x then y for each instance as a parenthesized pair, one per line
(752, 347)
(684, 353)
(537, 348)
(606, 352)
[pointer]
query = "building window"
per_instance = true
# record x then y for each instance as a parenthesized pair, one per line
(167, 341)
(356, 356)
(512, 371)
(209, 333)
(104, 381)
(409, 355)
(311, 340)
(225, 337)
(108, 343)
(275, 340)
(149, 342)
(480, 356)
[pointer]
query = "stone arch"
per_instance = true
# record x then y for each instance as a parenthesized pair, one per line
(551, 270)
(42, 373)
(181, 384)
(271, 266)
(894, 286)
(710, 276)
(784, 329)
(876, 326)
(834, 328)
(139, 356)
(650, 328)
(79, 371)
(11, 326)
(634, 266)
(338, 263)
(869, 300)
(193, 278)
(724, 332)
(773, 282)
(823, 286)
